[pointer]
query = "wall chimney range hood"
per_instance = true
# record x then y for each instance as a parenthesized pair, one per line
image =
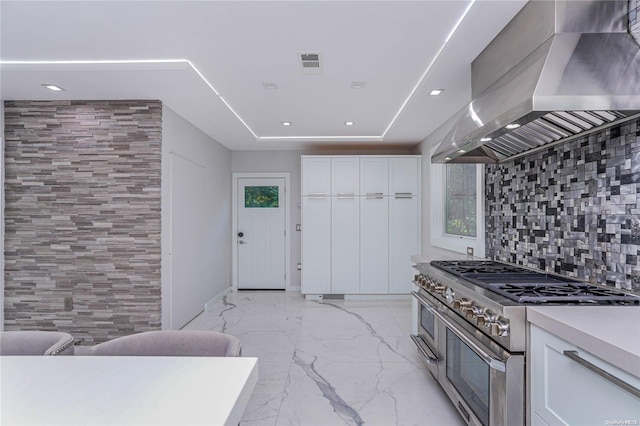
(558, 69)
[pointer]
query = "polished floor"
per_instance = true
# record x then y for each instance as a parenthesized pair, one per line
(332, 363)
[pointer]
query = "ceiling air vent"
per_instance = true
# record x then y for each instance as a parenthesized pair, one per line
(310, 63)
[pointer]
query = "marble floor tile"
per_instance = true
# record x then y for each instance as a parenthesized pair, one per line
(337, 362)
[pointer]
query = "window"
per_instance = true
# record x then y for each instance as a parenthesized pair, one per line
(460, 200)
(261, 197)
(457, 207)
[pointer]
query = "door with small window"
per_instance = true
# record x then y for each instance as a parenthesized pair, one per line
(261, 233)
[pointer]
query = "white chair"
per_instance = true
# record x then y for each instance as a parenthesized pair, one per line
(27, 342)
(170, 343)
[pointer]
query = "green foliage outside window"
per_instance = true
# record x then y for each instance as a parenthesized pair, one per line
(460, 208)
(261, 197)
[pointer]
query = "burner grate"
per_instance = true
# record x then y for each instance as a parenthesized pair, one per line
(569, 293)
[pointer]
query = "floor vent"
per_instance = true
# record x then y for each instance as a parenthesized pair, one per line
(311, 63)
(333, 296)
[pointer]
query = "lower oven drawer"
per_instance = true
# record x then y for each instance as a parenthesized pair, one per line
(426, 354)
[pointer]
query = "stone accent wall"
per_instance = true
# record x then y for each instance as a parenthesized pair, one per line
(573, 209)
(82, 217)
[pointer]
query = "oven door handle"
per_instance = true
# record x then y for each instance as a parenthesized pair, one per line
(431, 358)
(496, 364)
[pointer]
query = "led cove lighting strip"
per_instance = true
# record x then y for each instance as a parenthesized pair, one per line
(318, 137)
(213, 89)
(433, 61)
(138, 61)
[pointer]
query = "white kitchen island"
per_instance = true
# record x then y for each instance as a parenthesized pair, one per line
(91, 390)
(584, 365)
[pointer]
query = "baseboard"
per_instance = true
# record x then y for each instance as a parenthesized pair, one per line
(217, 297)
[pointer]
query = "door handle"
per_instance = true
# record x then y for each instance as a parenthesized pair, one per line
(575, 356)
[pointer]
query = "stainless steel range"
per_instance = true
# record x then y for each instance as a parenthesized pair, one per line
(471, 330)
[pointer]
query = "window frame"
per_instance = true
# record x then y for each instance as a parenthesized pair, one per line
(439, 237)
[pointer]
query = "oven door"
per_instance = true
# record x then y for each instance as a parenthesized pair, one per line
(484, 381)
(427, 337)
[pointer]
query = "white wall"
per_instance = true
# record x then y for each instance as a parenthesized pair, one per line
(196, 220)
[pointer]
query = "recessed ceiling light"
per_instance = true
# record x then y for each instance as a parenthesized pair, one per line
(348, 123)
(462, 151)
(286, 123)
(436, 92)
(358, 85)
(269, 85)
(512, 126)
(53, 87)
(487, 139)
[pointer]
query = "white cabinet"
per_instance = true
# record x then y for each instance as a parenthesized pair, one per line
(563, 391)
(360, 223)
(345, 176)
(316, 176)
(374, 244)
(374, 176)
(404, 241)
(404, 176)
(316, 245)
(345, 244)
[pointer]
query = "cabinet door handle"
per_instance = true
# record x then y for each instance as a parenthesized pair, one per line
(317, 194)
(403, 196)
(374, 195)
(346, 195)
(600, 372)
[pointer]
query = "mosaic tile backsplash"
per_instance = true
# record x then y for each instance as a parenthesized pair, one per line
(573, 209)
(82, 217)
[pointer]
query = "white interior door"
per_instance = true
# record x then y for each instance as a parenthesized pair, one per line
(261, 233)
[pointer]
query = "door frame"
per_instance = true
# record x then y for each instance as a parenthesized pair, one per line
(234, 222)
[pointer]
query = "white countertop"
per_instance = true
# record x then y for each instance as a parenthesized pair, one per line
(611, 333)
(92, 390)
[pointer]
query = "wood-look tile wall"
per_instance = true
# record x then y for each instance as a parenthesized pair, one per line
(82, 217)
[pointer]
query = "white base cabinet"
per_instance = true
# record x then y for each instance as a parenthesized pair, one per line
(360, 223)
(565, 392)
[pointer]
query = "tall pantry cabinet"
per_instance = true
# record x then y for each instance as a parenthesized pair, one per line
(360, 223)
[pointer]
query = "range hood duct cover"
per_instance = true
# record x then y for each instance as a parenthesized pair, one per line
(562, 68)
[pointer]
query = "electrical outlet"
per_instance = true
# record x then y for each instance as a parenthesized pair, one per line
(469, 251)
(298, 227)
(299, 267)
(68, 303)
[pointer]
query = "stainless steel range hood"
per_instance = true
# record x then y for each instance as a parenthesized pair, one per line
(558, 69)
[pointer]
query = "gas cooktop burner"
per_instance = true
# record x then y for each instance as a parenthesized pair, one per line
(530, 287)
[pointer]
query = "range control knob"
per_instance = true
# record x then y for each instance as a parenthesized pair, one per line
(486, 318)
(461, 304)
(499, 327)
(473, 311)
(439, 288)
(477, 311)
(416, 279)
